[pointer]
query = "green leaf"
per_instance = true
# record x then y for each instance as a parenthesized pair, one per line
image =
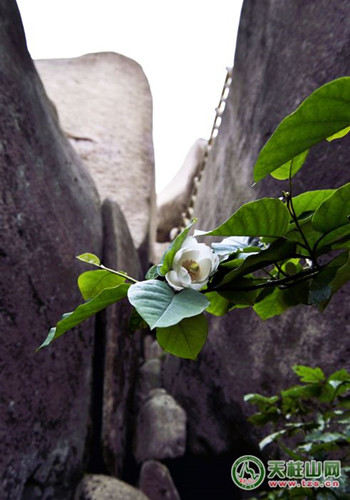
(89, 258)
(308, 374)
(92, 283)
(271, 305)
(218, 306)
(242, 297)
(85, 311)
(169, 254)
(186, 339)
(259, 400)
(264, 217)
(334, 211)
(310, 234)
(340, 376)
(310, 201)
(152, 273)
(335, 240)
(339, 135)
(342, 275)
(324, 113)
(161, 307)
(291, 167)
(276, 301)
(319, 295)
(271, 438)
(329, 279)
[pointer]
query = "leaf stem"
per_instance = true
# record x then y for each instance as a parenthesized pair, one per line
(294, 279)
(119, 273)
(290, 206)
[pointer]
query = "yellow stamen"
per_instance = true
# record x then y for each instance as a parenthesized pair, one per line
(192, 267)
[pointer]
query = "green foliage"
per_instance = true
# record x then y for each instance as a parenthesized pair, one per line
(324, 113)
(185, 339)
(264, 217)
(309, 421)
(91, 283)
(280, 252)
(84, 311)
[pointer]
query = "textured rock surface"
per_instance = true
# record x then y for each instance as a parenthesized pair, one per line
(105, 107)
(173, 200)
(100, 487)
(49, 212)
(152, 349)
(150, 378)
(122, 350)
(285, 50)
(161, 428)
(156, 481)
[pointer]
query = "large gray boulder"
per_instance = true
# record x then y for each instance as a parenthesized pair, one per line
(49, 212)
(285, 50)
(156, 481)
(161, 428)
(104, 105)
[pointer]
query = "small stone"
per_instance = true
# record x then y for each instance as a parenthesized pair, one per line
(156, 481)
(161, 428)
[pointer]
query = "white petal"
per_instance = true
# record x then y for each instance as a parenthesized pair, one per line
(173, 281)
(177, 258)
(189, 255)
(189, 242)
(205, 269)
(199, 286)
(184, 277)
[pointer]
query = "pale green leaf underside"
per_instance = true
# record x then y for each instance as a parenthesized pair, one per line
(339, 135)
(85, 311)
(264, 217)
(290, 168)
(159, 306)
(186, 339)
(321, 115)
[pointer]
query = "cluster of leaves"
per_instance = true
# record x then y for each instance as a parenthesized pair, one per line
(285, 251)
(310, 421)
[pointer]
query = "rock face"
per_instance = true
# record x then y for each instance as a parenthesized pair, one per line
(49, 212)
(156, 481)
(121, 350)
(285, 50)
(173, 200)
(161, 428)
(149, 377)
(100, 487)
(104, 106)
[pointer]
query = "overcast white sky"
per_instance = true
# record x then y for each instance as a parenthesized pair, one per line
(184, 48)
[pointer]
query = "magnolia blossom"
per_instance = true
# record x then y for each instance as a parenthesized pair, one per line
(192, 266)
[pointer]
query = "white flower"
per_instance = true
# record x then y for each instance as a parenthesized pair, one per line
(192, 266)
